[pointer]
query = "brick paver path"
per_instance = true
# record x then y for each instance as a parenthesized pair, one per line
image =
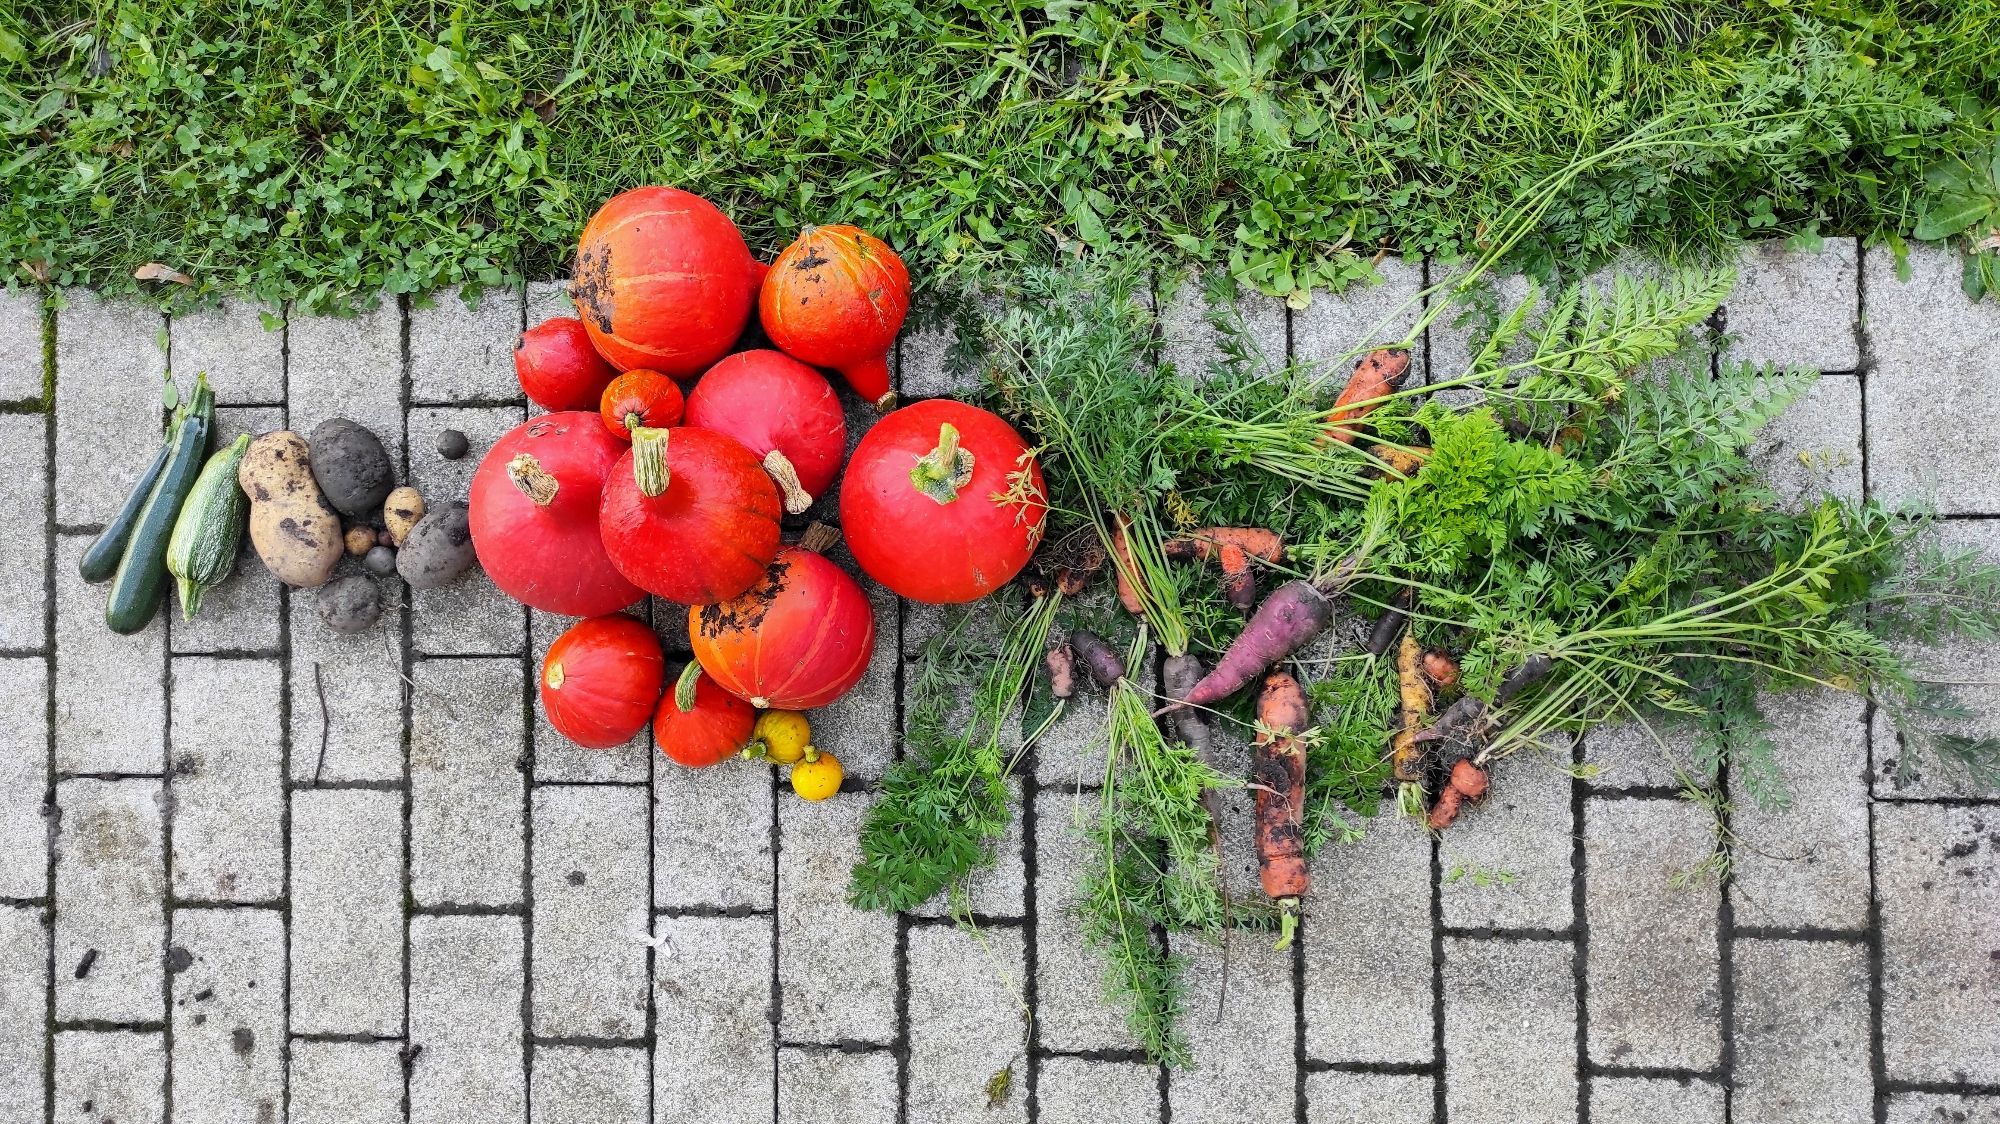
(217, 908)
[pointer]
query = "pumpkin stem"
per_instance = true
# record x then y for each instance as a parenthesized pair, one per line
(797, 499)
(632, 420)
(649, 459)
(534, 481)
(941, 472)
(684, 686)
(819, 538)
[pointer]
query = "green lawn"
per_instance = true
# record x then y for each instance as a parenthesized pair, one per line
(315, 149)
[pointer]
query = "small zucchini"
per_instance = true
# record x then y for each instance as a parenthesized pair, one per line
(142, 572)
(202, 550)
(100, 559)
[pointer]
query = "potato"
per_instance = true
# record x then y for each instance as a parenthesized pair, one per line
(295, 532)
(351, 467)
(351, 604)
(360, 540)
(400, 512)
(439, 548)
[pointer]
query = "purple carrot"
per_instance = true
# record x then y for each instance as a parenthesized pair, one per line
(1099, 659)
(1291, 616)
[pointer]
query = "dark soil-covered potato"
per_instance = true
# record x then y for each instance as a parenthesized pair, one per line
(351, 604)
(439, 548)
(351, 467)
(380, 560)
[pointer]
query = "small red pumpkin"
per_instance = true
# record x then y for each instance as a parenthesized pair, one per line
(601, 680)
(699, 723)
(798, 640)
(783, 411)
(664, 281)
(943, 502)
(558, 367)
(690, 515)
(640, 398)
(836, 298)
(533, 516)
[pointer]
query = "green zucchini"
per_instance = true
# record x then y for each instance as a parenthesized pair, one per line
(202, 550)
(142, 572)
(100, 559)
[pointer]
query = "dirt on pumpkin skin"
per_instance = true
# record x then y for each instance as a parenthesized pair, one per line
(592, 288)
(813, 260)
(748, 611)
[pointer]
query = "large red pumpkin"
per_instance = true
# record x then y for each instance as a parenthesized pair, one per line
(601, 679)
(664, 281)
(783, 411)
(534, 516)
(798, 640)
(836, 298)
(699, 723)
(942, 502)
(690, 515)
(558, 366)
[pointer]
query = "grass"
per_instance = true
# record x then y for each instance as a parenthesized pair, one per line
(316, 151)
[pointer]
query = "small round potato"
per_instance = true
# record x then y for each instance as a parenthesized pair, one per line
(351, 604)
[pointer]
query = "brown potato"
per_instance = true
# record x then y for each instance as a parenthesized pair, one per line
(400, 512)
(294, 530)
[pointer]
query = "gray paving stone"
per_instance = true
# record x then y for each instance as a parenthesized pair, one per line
(110, 897)
(1071, 750)
(1325, 331)
(1942, 1108)
(1367, 941)
(244, 358)
(712, 835)
(347, 1082)
(24, 951)
(968, 1022)
(1254, 1006)
(588, 1085)
(227, 780)
(471, 616)
(1509, 1031)
(1796, 308)
(836, 964)
(1902, 770)
(1626, 755)
(1070, 1007)
(24, 778)
(923, 370)
(1940, 892)
(860, 726)
(110, 1076)
(459, 354)
(228, 1016)
(24, 565)
(1507, 863)
(349, 368)
(110, 360)
(360, 727)
(1806, 865)
(1801, 1033)
(1655, 1100)
(559, 759)
(821, 1086)
(1334, 1097)
(712, 992)
(246, 611)
(1190, 340)
(466, 805)
(1929, 441)
(998, 890)
(347, 912)
(1653, 971)
(100, 731)
(546, 299)
(20, 344)
(1813, 449)
(590, 911)
(465, 1013)
(1086, 1091)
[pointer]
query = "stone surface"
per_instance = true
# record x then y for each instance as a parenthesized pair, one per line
(1368, 950)
(712, 835)
(1070, 1006)
(1909, 767)
(1802, 1033)
(590, 917)
(997, 890)
(460, 353)
(347, 1082)
(1795, 308)
(347, 695)
(110, 1077)
(1507, 864)
(924, 367)
(465, 1014)
(1942, 1108)
(860, 726)
(24, 778)
(21, 356)
(227, 780)
(1656, 1100)
(97, 730)
(1083, 1091)
(24, 951)
(967, 1007)
(1655, 754)
(546, 299)
(588, 1085)
(836, 964)
(1940, 895)
(24, 563)
(1334, 1097)
(1362, 316)
(712, 989)
(821, 1086)
(108, 408)
(241, 346)
(469, 617)
(1252, 1007)
(110, 902)
(245, 613)
(1806, 865)
(1509, 1031)
(1653, 970)
(466, 805)
(1191, 340)
(228, 1016)
(1930, 441)
(1813, 449)
(347, 912)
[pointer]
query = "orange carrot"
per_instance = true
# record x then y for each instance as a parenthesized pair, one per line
(1125, 567)
(1440, 668)
(1378, 374)
(1416, 699)
(1402, 462)
(1468, 779)
(1232, 548)
(1278, 779)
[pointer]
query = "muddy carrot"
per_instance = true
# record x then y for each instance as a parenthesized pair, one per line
(1232, 548)
(1415, 695)
(1440, 668)
(1100, 660)
(1379, 373)
(1179, 675)
(1278, 781)
(1402, 462)
(1062, 671)
(1125, 568)
(1388, 625)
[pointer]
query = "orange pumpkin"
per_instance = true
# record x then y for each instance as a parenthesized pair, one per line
(836, 298)
(699, 723)
(798, 640)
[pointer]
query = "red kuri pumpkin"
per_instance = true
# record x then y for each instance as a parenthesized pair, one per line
(640, 398)
(664, 281)
(601, 680)
(836, 298)
(699, 723)
(533, 516)
(943, 502)
(783, 411)
(690, 515)
(558, 366)
(798, 640)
